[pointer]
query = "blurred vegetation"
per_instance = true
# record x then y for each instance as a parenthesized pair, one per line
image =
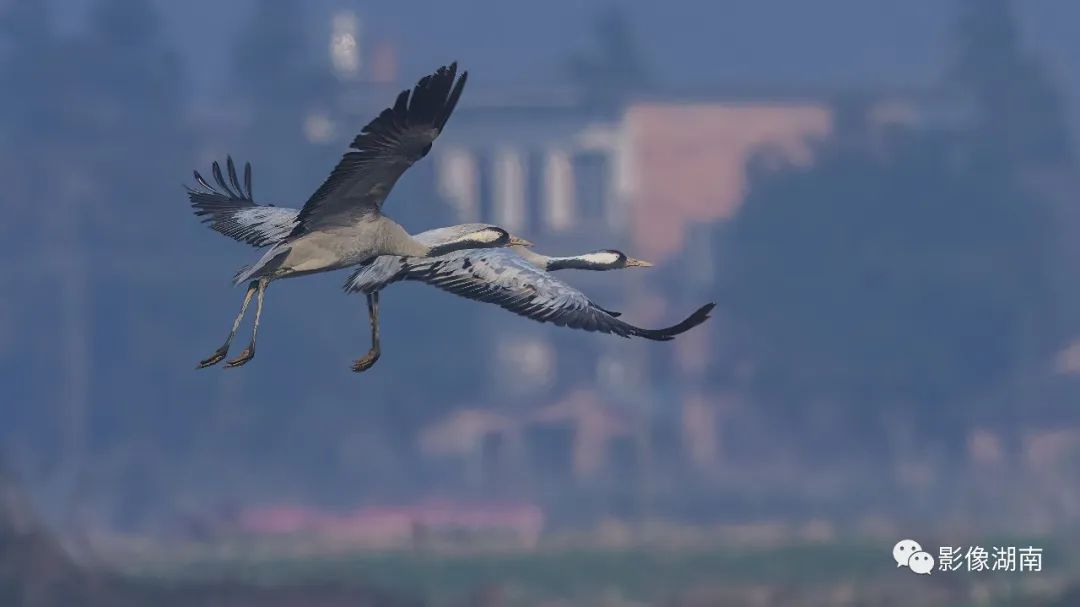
(930, 291)
(1019, 108)
(895, 291)
(798, 574)
(614, 67)
(36, 571)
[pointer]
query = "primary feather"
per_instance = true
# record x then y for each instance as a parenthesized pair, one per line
(232, 211)
(503, 278)
(385, 148)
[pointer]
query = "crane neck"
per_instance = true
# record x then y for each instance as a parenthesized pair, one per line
(538, 260)
(458, 244)
(574, 262)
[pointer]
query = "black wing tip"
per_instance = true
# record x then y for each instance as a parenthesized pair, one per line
(611, 313)
(699, 316)
(226, 193)
(705, 309)
(667, 334)
(430, 101)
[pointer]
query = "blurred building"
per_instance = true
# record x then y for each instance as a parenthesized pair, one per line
(650, 179)
(653, 178)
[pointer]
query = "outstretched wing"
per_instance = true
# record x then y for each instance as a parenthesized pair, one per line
(501, 277)
(376, 274)
(230, 209)
(383, 150)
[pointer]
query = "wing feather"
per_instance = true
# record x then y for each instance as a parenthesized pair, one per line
(234, 213)
(503, 278)
(385, 148)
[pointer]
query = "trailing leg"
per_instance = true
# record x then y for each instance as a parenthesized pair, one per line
(372, 356)
(249, 351)
(223, 351)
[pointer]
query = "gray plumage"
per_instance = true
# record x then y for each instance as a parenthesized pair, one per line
(384, 270)
(516, 278)
(341, 225)
(504, 278)
(234, 212)
(382, 152)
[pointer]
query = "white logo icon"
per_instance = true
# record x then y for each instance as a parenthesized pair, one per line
(903, 550)
(910, 554)
(921, 563)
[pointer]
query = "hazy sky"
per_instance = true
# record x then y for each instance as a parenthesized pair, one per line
(788, 42)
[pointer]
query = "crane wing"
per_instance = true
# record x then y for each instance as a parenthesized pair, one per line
(383, 151)
(231, 210)
(376, 274)
(502, 277)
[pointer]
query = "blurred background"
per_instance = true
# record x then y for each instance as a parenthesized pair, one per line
(881, 196)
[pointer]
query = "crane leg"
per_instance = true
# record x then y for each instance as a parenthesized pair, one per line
(223, 351)
(249, 351)
(372, 356)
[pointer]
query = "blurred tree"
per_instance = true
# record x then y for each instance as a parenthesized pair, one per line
(1022, 128)
(616, 67)
(281, 86)
(34, 569)
(132, 94)
(28, 47)
(1019, 109)
(32, 113)
(31, 123)
(114, 159)
(121, 158)
(886, 287)
(278, 77)
(275, 68)
(900, 284)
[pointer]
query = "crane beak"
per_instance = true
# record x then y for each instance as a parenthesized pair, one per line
(637, 263)
(517, 241)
